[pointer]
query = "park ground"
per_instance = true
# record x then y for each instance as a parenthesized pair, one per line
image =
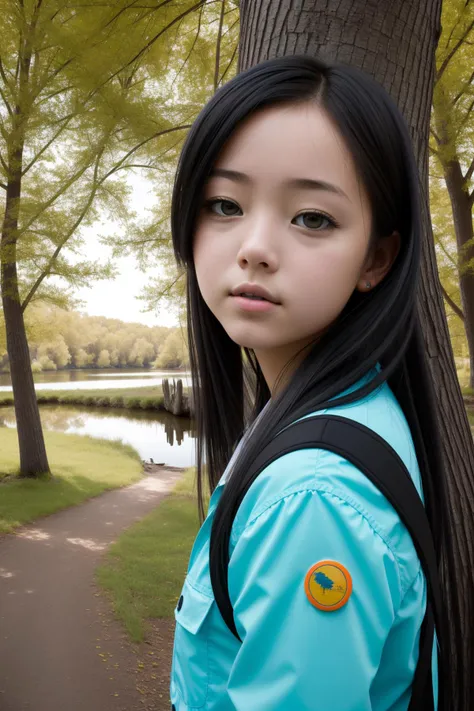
(97, 613)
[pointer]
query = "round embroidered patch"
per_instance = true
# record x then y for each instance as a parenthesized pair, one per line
(328, 585)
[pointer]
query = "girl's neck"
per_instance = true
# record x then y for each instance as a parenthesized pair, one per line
(279, 364)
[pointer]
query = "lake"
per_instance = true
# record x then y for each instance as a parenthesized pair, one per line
(97, 379)
(159, 436)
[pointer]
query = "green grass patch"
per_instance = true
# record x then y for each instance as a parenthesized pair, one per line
(82, 467)
(147, 398)
(145, 569)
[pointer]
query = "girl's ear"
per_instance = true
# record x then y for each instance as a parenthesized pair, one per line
(379, 262)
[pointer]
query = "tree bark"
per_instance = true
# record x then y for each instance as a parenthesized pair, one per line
(463, 228)
(33, 458)
(394, 41)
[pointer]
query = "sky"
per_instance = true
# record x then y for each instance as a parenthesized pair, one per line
(117, 298)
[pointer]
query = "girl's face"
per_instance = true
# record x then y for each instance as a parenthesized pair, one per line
(284, 211)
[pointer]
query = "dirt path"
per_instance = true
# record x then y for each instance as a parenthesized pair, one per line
(60, 648)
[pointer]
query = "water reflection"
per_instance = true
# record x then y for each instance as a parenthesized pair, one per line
(98, 379)
(158, 436)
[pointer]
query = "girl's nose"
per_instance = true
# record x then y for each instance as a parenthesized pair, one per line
(258, 249)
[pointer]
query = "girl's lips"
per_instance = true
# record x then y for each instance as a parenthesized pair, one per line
(246, 304)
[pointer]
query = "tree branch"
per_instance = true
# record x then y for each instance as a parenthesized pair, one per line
(451, 54)
(47, 145)
(54, 197)
(169, 287)
(463, 90)
(135, 242)
(141, 144)
(6, 102)
(124, 9)
(236, 22)
(468, 113)
(3, 74)
(152, 41)
(3, 131)
(470, 172)
(3, 186)
(452, 304)
(218, 46)
(435, 135)
(95, 186)
(4, 165)
(48, 78)
(454, 28)
(230, 63)
(138, 165)
(193, 45)
(47, 271)
(446, 253)
(55, 93)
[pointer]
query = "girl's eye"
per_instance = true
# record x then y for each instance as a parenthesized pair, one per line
(313, 221)
(224, 208)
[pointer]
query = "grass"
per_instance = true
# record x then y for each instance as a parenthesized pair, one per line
(147, 398)
(82, 467)
(145, 569)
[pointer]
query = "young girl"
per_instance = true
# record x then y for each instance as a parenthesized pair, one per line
(297, 217)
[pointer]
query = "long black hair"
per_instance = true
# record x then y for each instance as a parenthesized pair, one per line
(381, 326)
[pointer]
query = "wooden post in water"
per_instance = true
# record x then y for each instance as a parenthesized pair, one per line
(175, 400)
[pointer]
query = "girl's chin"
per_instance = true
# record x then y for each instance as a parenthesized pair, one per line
(254, 342)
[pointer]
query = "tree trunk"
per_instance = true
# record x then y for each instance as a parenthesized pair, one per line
(33, 459)
(394, 41)
(463, 228)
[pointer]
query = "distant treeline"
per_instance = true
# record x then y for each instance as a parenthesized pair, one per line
(61, 339)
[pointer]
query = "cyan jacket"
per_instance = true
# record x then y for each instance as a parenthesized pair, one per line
(308, 506)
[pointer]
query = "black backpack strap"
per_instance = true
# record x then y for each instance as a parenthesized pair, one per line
(373, 456)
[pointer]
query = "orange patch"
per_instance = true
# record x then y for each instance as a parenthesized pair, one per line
(328, 585)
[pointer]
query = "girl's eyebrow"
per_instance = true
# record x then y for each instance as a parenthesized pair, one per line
(301, 183)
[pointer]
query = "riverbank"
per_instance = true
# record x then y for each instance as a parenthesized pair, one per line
(141, 398)
(144, 398)
(82, 467)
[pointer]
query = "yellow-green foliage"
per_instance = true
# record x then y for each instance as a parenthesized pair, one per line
(454, 87)
(106, 94)
(452, 139)
(60, 339)
(81, 467)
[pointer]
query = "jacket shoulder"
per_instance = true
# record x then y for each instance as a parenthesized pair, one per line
(324, 471)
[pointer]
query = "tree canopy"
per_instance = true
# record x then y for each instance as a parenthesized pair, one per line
(61, 339)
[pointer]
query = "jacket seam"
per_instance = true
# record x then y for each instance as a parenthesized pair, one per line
(198, 588)
(345, 499)
(407, 590)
